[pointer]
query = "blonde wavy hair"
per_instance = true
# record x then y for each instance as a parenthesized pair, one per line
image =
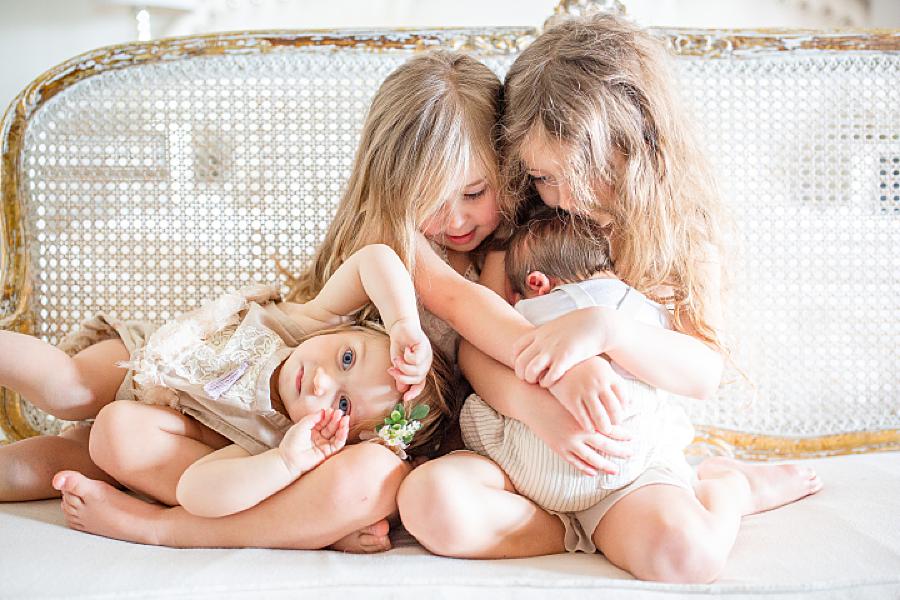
(430, 118)
(436, 394)
(599, 87)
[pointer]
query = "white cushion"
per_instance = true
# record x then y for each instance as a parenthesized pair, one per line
(841, 543)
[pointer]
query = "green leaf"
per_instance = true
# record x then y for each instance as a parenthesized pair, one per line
(396, 416)
(419, 412)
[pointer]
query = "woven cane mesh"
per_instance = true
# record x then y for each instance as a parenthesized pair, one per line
(151, 189)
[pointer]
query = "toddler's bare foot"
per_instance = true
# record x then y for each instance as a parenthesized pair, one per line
(97, 507)
(770, 486)
(367, 540)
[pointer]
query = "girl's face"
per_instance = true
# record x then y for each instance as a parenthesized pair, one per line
(461, 224)
(544, 160)
(345, 370)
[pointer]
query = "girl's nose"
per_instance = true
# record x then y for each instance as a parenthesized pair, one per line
(455, 219)
(323, 384)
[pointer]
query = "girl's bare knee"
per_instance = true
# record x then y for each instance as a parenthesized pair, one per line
(682, 552)
(112, 440)
(367, 477)
(427, 509)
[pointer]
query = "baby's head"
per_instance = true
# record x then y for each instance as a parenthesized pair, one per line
(553, 247)
(346, 368)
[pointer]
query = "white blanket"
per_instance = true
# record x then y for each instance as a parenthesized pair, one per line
(842, 543)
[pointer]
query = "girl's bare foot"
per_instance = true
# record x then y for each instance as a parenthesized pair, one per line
(770, 486)
(97, 507)
(367, 540)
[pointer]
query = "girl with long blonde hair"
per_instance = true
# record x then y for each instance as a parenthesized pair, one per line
(591, 126)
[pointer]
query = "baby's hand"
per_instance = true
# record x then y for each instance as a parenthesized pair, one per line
(593, 393)
(312, 439)
(411, 357)
(546, 353)
(586, 450)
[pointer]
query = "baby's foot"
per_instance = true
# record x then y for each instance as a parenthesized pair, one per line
(97, 507)
(367, 540)
(770, 486)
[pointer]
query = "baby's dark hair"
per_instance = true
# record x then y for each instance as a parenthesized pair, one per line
(558, 244)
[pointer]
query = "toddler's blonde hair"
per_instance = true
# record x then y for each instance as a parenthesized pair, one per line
(599, 87)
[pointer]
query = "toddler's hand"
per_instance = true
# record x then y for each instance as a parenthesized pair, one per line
(546, 353)
(587, 451)
(411, 356)
(312, 439)
(593, 394)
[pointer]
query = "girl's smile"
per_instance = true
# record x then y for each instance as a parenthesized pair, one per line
(463, 223)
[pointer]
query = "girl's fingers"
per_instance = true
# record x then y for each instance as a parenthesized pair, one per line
(537, 368)
(583, 467)
(613, 407)
(600, 463)
(609, 446)
(523, 360)
(619, 432)
(407, 368)
(622, 394)
(343, 430)
(522, 343)
(554, 373)
(414, 391)
(599, 418)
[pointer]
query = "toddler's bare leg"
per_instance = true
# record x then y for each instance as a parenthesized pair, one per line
(68, 387)
(463, 505)
(148, 448)
(351, 490)
(27, 466)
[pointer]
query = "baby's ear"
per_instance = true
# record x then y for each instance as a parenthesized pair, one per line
(538, 283)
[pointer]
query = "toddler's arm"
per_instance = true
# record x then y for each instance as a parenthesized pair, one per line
(231, 480)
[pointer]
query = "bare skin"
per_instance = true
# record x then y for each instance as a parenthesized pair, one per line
(657, 532)
(359, 483)
(80, 386)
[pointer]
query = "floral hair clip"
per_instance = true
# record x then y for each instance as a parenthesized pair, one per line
(398, 429)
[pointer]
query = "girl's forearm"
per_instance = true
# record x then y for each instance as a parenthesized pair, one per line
(374, 273)
(663, 358)
(474, 311)
(230, 481)
(499, 387)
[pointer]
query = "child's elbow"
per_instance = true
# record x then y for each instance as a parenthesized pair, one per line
(709, 385)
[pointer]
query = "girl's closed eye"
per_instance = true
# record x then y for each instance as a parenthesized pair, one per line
(474, 195)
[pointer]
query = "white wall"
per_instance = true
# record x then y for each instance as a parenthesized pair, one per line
(38, 34)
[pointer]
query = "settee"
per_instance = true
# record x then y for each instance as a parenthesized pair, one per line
(143, 178)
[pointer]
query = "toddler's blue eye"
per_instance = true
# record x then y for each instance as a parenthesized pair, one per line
(344, 405)
(347, 358)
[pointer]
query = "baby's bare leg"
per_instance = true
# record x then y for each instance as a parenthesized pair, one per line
(68, 387)
(27, 466)
(351, 490)
(148, 448)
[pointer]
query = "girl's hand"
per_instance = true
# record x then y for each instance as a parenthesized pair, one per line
(312, 439)
(593, 394)
(411, 357)
(546, 353)
(587, 451)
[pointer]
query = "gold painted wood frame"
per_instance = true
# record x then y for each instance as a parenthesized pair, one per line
(17, 294)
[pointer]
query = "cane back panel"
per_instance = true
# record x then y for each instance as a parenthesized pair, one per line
(141, 179)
